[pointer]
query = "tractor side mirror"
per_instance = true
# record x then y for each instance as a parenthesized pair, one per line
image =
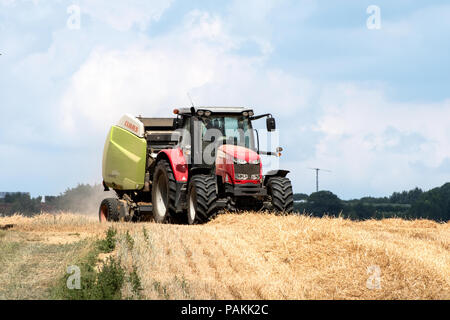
(271, 125)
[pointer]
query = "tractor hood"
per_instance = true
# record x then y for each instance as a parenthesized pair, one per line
(238, 152)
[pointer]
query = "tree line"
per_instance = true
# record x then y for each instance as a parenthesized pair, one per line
(413, 204)
(433, 204)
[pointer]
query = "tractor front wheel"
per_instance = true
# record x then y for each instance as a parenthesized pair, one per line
(201, 199)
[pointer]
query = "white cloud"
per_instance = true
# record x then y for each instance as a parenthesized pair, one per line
(10, 3)
(7, 2)
(375, 143)
(123, 15)
(154, 76)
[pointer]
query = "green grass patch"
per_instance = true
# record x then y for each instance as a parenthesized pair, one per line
(130, 241)
(99, 283)
(135, 282)
(109, 243)
(8, 249)
(27, 268)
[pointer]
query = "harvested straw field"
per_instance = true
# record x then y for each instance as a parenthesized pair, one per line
(236, 256)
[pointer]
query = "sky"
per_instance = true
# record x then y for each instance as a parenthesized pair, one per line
(361, 92)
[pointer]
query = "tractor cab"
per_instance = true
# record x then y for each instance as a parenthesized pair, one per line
(205, 130)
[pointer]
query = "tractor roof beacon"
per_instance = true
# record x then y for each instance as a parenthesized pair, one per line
(188, 168)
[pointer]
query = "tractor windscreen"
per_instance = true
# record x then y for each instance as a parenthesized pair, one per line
(228, 129)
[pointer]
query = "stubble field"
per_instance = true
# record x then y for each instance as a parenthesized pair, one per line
(235, 256)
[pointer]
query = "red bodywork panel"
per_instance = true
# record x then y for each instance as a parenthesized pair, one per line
(178, 163)
(225, 163)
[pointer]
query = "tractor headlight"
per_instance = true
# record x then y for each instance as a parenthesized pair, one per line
(239, 161)
(254, 161)
(241, 176)
(254, 177)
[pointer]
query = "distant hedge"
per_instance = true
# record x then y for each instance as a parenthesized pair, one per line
(413, 204)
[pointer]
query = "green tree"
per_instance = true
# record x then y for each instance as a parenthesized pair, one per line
(433, 204)
(300, 196)
(324, 202)
(23, 203)
(364, 211)
(406, 197)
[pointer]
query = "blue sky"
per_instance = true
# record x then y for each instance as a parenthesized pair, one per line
(371, 105)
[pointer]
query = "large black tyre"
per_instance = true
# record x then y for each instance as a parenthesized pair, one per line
(163, 192)
(280, 189)
(109, 210)
(202, 199)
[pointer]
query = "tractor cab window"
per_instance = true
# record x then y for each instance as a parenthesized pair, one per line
(234, 130)
(185, 139)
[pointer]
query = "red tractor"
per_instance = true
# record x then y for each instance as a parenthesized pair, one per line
(190, 167)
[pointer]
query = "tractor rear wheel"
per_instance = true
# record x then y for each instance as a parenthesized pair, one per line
(109, 210)
(280, 189)
(202, 198)
(163, 192)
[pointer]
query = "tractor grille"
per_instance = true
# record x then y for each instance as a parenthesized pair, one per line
(249, 169)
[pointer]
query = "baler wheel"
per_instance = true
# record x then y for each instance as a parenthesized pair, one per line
(109, 210)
